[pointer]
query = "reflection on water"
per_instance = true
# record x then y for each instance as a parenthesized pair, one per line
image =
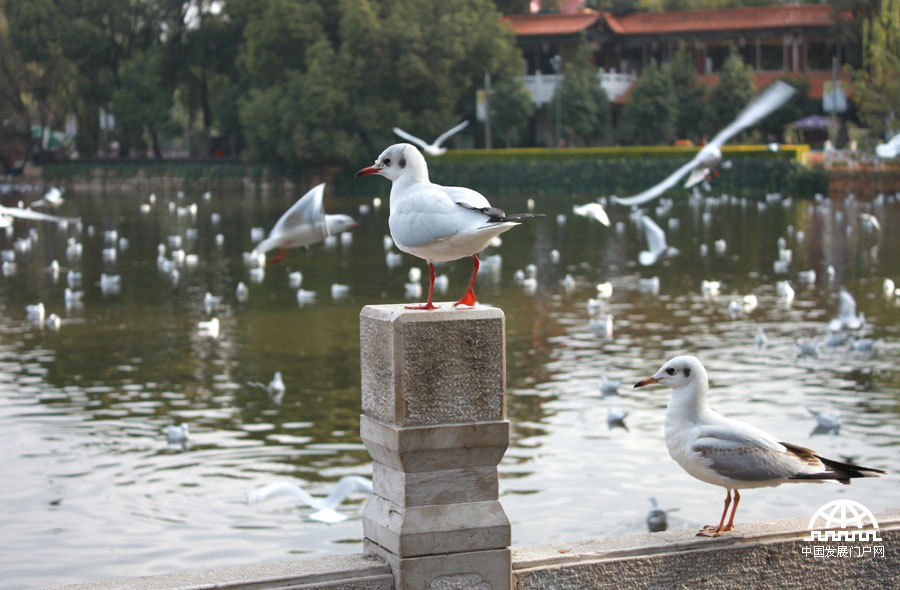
(92, 489)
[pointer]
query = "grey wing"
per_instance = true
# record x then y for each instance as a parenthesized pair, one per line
(443, 136)
(746, 453)
(656, 190)
(308, 210)
(769, 100)
(467, 197)
(656, 237)
(430, 216)
(410, 138)
(696, 175)
(35, 215)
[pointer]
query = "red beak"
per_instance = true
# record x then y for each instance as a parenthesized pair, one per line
(647, 381)
(367, 171)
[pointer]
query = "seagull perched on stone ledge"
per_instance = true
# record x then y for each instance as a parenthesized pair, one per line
(434, 222)
(729, 453)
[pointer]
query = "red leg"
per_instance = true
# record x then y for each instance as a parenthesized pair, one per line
(469, 297)
(428, 304)
(714, 531)
(737, 498)
(278, 257)
(715, 172)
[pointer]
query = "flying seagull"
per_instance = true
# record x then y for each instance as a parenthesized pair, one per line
(304, 224)
(710, 155)
(432, 149)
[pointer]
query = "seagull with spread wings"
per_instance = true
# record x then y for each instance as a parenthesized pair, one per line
(710, 155)
(432, 149)
(304, 224)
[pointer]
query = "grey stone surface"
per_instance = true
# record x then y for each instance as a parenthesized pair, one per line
(348, 572)
(433, 448)
(434, 529)
(434, 367)
(448, 486)
(480, 570)
(757, 555)
(434, 421)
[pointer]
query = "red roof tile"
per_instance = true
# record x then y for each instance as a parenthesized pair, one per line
(751, 17)
(525, 25)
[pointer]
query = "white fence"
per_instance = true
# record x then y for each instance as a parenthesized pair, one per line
(542, 86)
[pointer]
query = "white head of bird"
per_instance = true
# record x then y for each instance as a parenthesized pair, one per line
(335, 224)
(687, 377)
(400, 163)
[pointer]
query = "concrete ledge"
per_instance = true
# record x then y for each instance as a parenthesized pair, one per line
(350, 572)
(757, 555)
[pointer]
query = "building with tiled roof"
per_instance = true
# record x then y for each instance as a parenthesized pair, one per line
(776, 40)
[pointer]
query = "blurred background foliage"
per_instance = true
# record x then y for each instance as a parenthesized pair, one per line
(294, 84)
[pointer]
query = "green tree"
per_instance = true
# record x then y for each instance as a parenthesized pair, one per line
(584, 104)
(141, 103)
(45, 76)
(690, 94)
(511, 110)
(877, 85)
(735, 88)
(616, 7)
(649, 116)
(512, 6)
(848, 19)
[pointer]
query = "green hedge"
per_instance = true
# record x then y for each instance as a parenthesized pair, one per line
(584, 172)
(507, 175)
(190, 171)
(787, 152)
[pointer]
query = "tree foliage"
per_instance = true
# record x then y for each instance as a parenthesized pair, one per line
(585, 106)
(877, 87)
(652, 109)
(736, 88)
(690, 94)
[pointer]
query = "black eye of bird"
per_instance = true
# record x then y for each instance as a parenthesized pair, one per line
(670, 371)
(387, 161)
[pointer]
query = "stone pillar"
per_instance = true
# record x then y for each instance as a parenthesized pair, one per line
(434, 421)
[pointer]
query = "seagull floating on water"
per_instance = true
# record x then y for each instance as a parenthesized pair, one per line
(276, 388)
(304, 224)
(177, 435)
(434, 222)
(729, 453)
(432, 149)
(710, 155)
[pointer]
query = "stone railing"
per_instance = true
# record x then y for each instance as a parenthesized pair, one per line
(542, 86)
(434, 421)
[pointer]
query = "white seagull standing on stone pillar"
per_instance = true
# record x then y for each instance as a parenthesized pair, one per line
(730, 453)
(434, 222)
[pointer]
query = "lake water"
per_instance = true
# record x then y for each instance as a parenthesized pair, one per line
(91, 489)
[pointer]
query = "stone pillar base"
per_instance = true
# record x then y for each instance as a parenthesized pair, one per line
(474, 570)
